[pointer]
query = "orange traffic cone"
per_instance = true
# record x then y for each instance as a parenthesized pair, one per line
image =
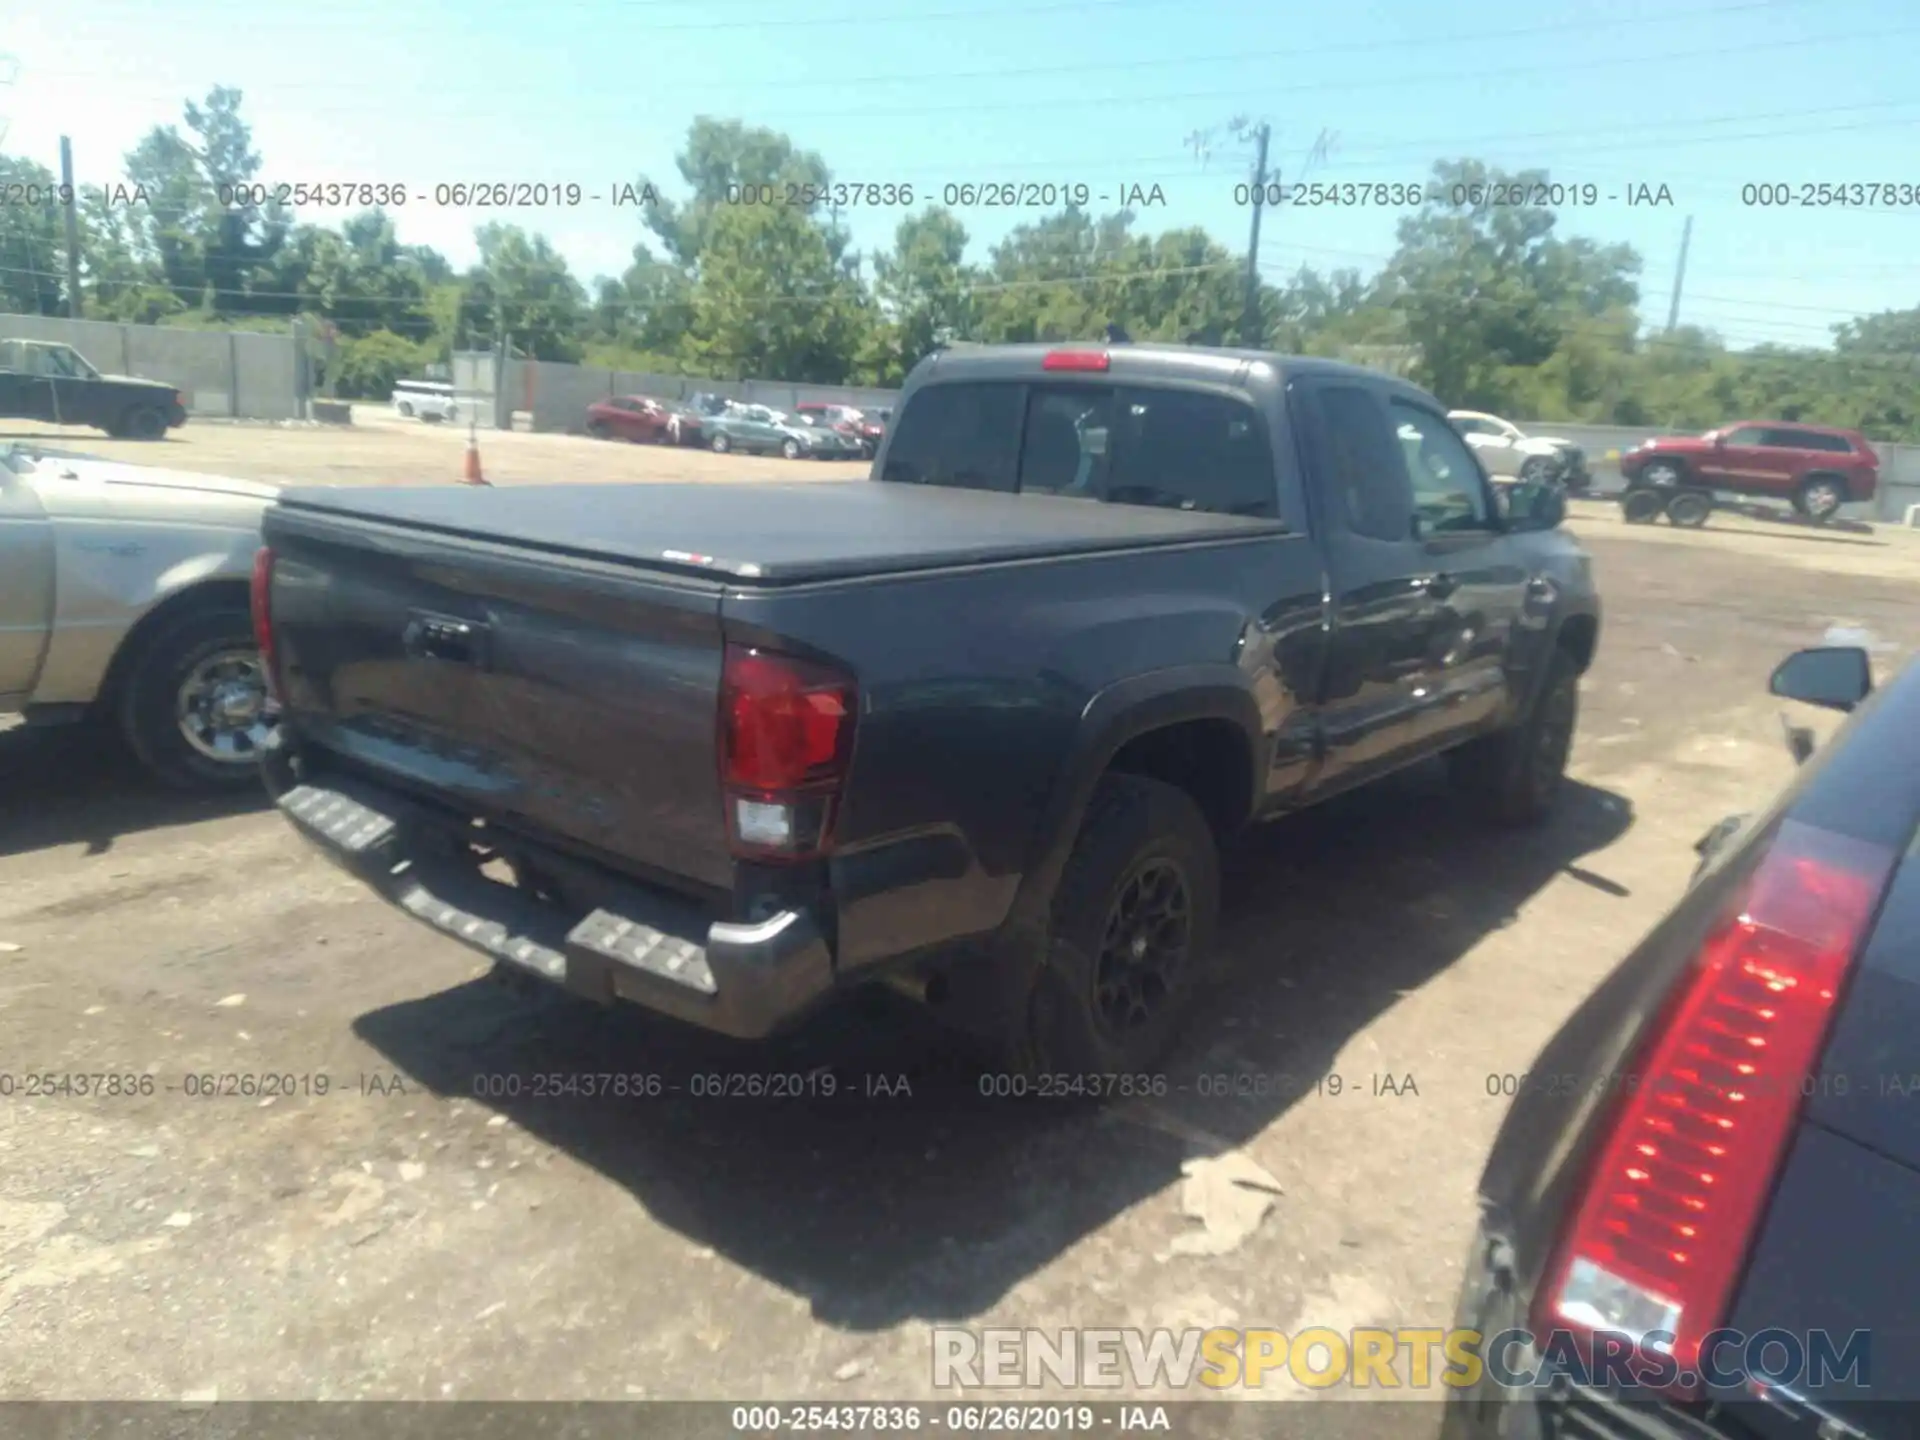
(470, 471)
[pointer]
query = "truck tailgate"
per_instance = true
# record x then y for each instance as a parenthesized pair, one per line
(572, 699)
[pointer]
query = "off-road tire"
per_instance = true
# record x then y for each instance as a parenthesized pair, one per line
(1641, 507)
(1689, 509)
(152, 683)
(1514, 775)
(1132, 825)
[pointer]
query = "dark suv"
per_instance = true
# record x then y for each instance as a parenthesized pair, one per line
(1816, 468)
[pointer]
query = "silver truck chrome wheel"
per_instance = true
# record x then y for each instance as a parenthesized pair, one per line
(223, 709)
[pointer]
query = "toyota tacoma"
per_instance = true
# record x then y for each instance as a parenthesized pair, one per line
(975, 726)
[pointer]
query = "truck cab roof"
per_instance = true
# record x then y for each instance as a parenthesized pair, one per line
(1131, 360)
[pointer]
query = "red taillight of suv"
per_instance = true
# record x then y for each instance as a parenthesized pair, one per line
(1681, 1178)
(260, 598)
(786, 737)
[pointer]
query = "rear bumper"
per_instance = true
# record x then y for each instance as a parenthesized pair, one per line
(635, 943)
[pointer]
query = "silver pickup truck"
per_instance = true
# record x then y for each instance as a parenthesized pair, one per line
(123, 598)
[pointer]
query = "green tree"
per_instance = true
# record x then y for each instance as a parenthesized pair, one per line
(522, 284)
(199, 223)
(720, 158)
(368, 365)
(33, 251)
(1487, 289)
(924, 289)
(770, 299)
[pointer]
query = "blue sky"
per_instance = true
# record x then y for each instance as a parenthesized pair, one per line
(1701, 96)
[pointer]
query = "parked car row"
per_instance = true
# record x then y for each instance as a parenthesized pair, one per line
(813, 430)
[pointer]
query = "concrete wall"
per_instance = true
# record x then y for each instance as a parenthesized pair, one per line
(237, 374)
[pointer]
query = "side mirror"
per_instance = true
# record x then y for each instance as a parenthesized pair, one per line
(1536, 507)
(1837, 677)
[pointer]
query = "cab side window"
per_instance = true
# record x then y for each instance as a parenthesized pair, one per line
(1449, 492)
(1365, 468)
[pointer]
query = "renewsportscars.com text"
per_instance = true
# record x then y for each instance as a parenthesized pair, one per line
(1407, 1358)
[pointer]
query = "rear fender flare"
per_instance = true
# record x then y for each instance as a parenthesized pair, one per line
(1114, 716)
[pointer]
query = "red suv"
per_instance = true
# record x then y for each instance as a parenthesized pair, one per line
(848, 421)
(1817, 468)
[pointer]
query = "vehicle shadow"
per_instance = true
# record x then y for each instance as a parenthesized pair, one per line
(881, 1205)
(1834, 532)
(78, 785)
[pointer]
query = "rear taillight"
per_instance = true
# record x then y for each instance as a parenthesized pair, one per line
(786, 735)
(1075, 360)
(261, 599)
(1679, 1181)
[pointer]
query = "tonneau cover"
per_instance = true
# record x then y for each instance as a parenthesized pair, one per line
(775, 532)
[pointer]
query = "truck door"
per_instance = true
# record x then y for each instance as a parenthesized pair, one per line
(1471, 573)
(21, 393)
(1379, 667)
(26, 585)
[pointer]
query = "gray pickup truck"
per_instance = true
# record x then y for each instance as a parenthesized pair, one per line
(975, 726)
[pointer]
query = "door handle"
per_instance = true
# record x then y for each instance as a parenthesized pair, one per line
(1439, 587)
(442, 637)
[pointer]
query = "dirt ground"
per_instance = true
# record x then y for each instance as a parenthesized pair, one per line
(427, 1229)
(381, 449)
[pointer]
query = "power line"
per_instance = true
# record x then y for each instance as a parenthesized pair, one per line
(1260, 94)
(1419, 42)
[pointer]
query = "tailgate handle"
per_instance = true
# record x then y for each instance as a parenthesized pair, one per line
(444, 637)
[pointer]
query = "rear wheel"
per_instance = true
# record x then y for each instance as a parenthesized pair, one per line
(720, 444)
(143, 422)
(1820, 497)
(1132, 924)
(598, 430)
(1689, 508)
(195, 708)
(1515, 774)
(1641, 507)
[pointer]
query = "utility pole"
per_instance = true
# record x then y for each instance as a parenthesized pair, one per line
(1679, 275)
(69, 202)
(1250, 319)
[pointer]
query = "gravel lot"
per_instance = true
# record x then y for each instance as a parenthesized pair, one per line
(420, 1232)
(381, 449)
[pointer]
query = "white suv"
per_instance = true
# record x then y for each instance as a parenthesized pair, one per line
(1509, 453)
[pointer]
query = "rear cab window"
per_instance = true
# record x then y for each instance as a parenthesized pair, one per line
(1166, 447)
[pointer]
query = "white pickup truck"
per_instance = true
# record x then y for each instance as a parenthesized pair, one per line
(124, 598)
